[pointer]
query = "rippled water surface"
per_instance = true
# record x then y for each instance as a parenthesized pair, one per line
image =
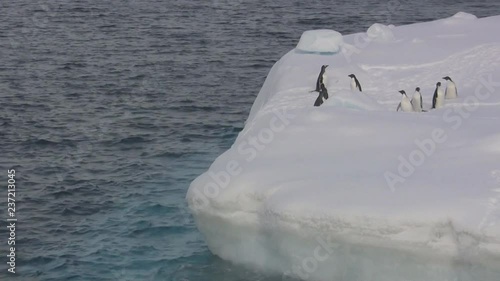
(109, 109)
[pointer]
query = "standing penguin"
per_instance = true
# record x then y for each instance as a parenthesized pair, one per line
(451, 88)
(405, 104)
(321, 78)
(438, 98)
(355, 86)
(416, 101)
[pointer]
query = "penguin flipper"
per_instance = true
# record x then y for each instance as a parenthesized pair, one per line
(323, 92)
(319, 101)
(399, 107)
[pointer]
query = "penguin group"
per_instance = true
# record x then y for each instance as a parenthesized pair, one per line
(321, 88)
(416, 104)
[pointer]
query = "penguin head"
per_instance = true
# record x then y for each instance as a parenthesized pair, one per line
(403, 92)
(323, 67)
(351, 75)
(417, 89)
(447, 78)
(438, 84)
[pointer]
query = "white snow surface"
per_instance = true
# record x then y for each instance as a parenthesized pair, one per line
(320, 41)
(304, 191)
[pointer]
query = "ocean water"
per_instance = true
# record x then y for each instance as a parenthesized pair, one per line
(109, 109)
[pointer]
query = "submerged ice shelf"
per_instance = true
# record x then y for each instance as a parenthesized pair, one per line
(354, 190)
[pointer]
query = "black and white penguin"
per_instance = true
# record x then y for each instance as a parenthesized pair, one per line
(451, 89)
(355, 86)
(405, 104)
(321, 78)
(416, 101)
(438, 98)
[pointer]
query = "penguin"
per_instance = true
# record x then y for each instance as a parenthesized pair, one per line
(405, 104)
(321, 78)
(451, 88)
(438, 98)
(319, 100)
(355, 83)
(416, 101)
(324, 91)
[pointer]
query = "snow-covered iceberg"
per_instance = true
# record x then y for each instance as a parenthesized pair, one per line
(353, 190)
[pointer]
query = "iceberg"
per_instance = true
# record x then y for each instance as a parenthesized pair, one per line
(353, 190)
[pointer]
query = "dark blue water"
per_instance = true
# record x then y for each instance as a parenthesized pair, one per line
(109, 109)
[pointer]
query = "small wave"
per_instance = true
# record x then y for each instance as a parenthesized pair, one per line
(107, 26)
(131, 140)
(43, 142)
(79, 211)
(157, 231)
(229, 136)
(71, 65)
(61, 194)
(156, 209)
(47, 142)
(138, 77)
(194, 108)
(39, 260)
(79, 9)
(85, 208)
(170, 154)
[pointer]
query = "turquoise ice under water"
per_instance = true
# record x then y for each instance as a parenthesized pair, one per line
(111, 109)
